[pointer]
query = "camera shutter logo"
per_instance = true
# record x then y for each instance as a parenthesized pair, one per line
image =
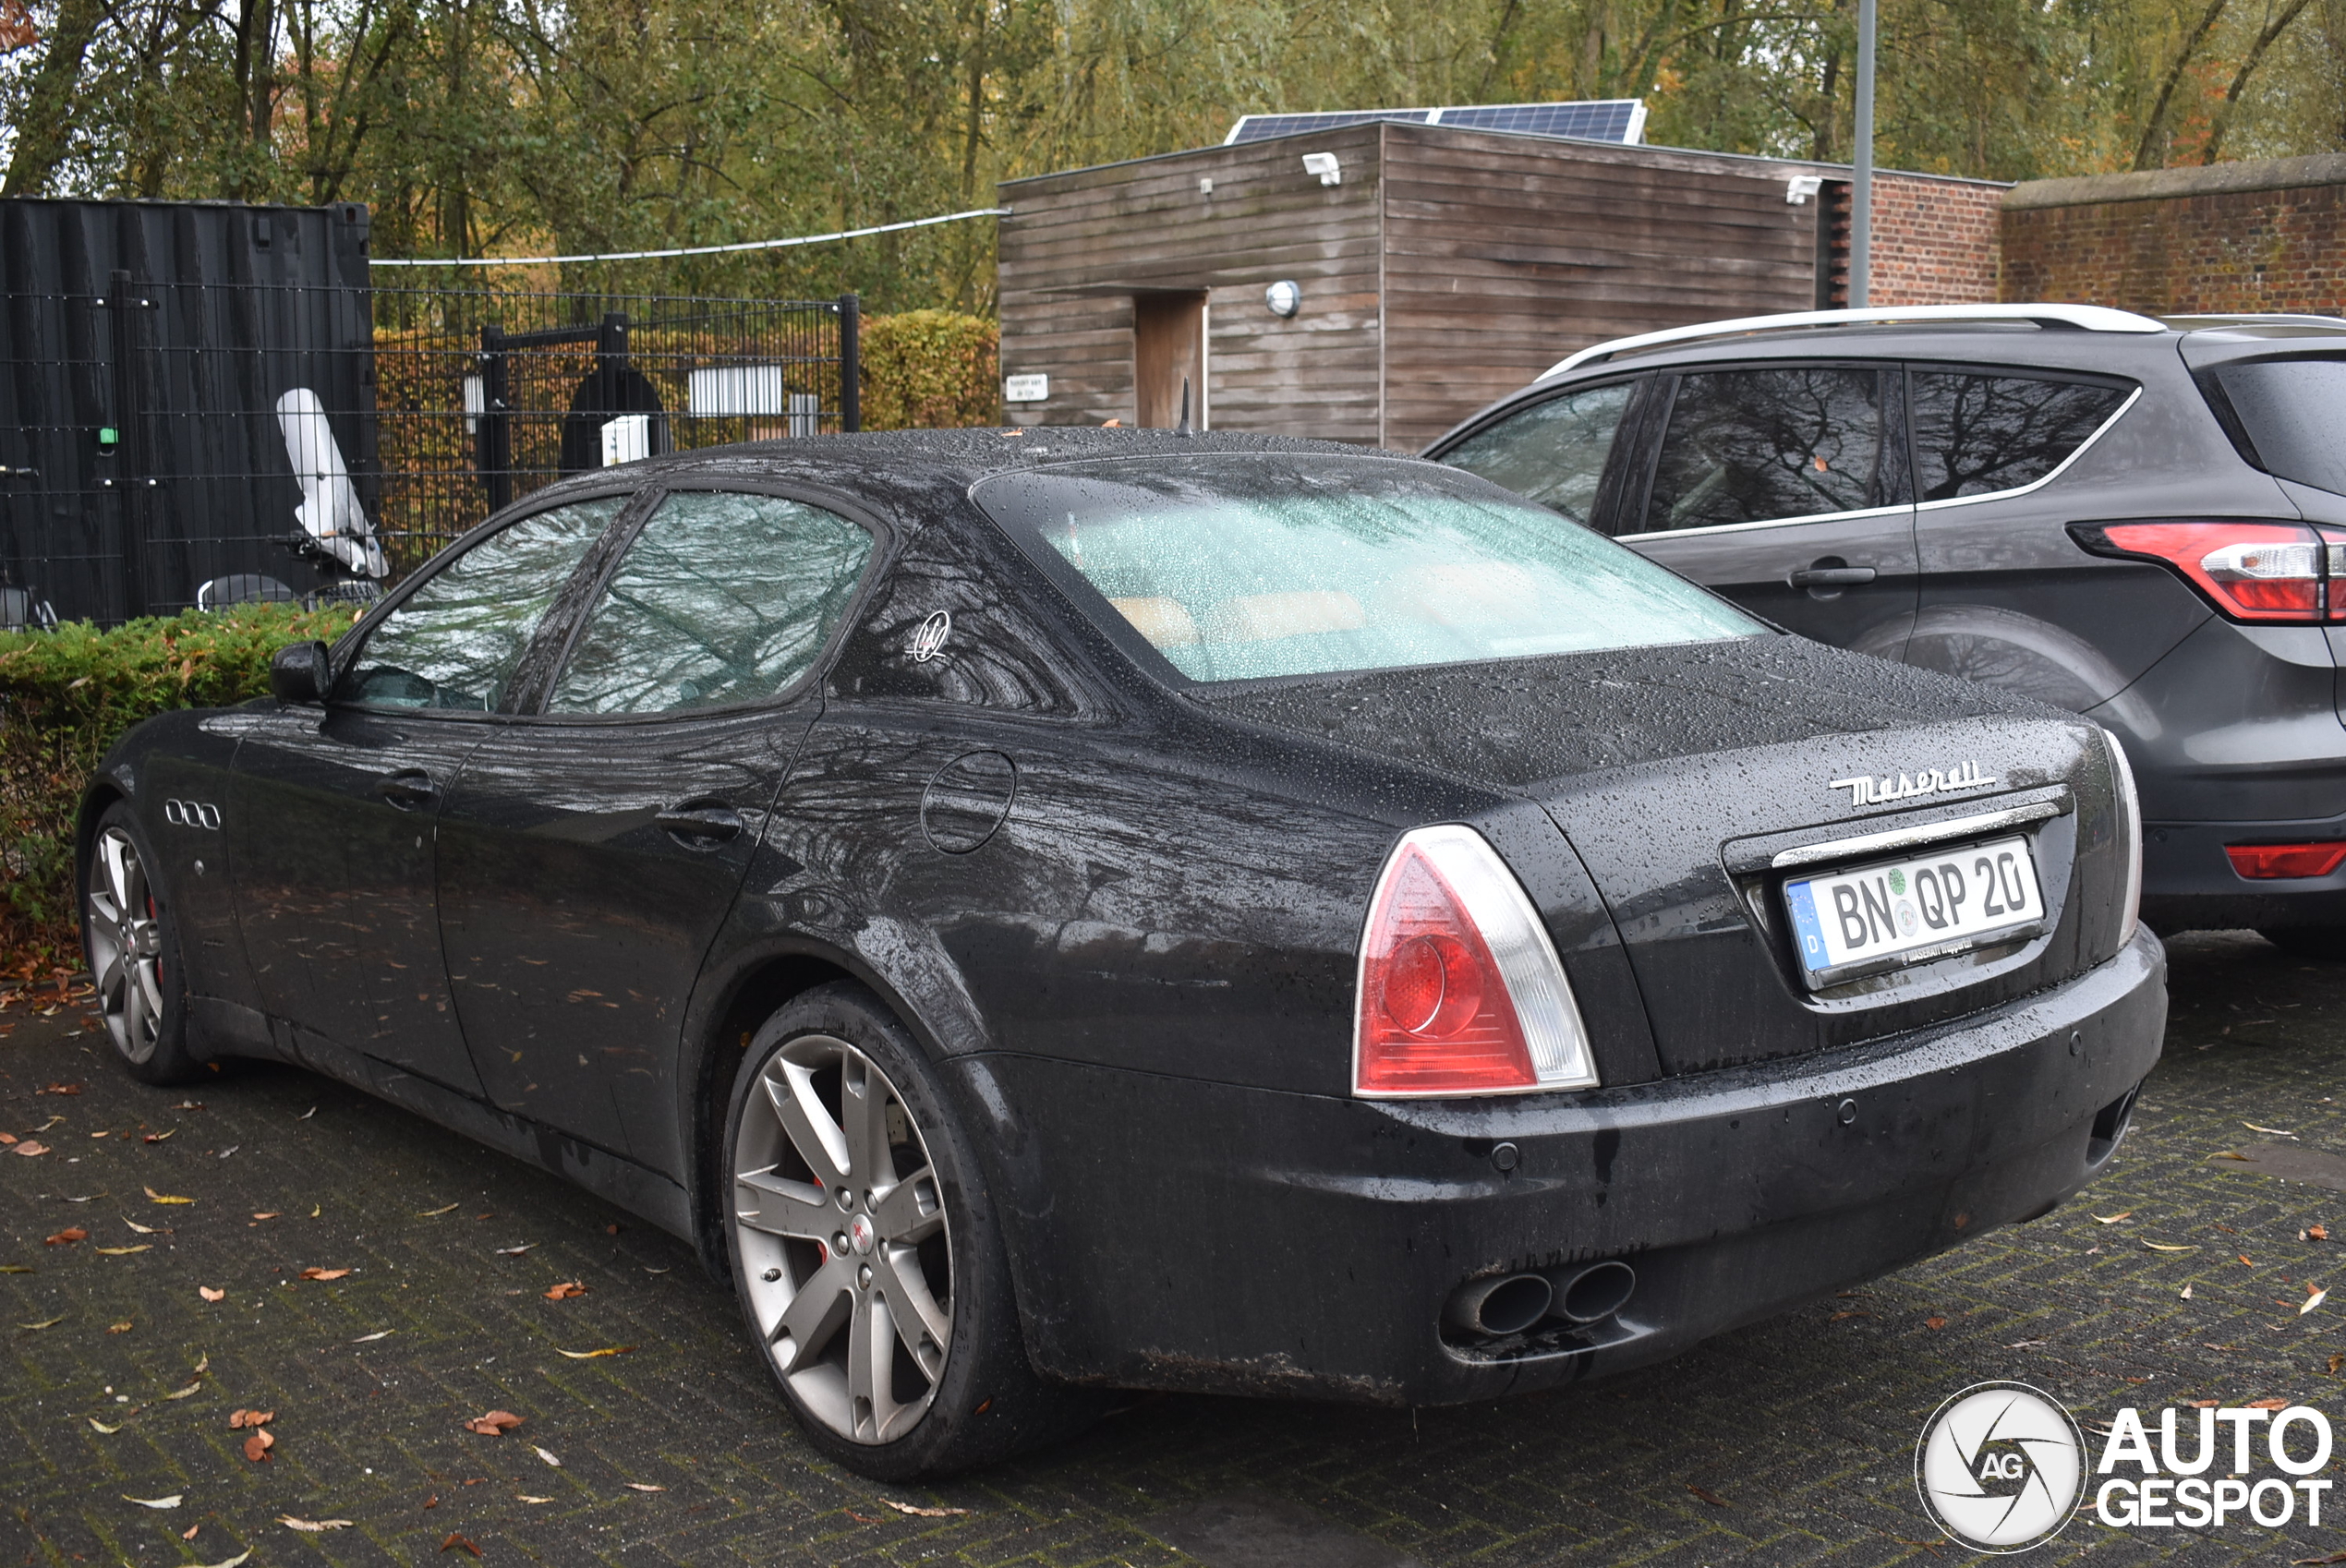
(2001, 1467)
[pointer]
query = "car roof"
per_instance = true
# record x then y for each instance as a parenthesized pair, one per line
(929, 459)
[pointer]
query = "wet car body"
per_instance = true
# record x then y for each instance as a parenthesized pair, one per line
(1122, 915)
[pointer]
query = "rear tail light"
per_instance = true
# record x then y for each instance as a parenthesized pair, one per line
(2263, 571)
(2130, 830)
(2267, 862)
(1460, 992)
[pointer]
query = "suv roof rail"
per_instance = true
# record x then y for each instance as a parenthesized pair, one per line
(2086, 317)
(2200, 319)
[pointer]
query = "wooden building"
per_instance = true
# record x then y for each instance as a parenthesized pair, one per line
(1436, 269)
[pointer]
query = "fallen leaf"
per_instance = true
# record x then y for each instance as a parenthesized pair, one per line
(311, 1526)
(2336, 1362)
(204, 1364)
(643, 1486)
(59, 1088)
(35, 1328)
(549, 1459)
(272, 1214)
(565, 1290)
(2267, 1405)
(29, 1147)
(514, 1251)
(370, 1338)
(1713, 1497)
(124, 1251)
(66, 1236)
(189, 1392)
(306, 1114)
(591, 1354)
(458, 1543)
(2317, 1232)
(2026, 1344)
(240, 1419)
(2113, 1218)
(7, 1138)
(2205, 1403)
(158, 1137)
(17, 1269)
(235, 1562)
(434, 1214)
(1934, 1322)
(190, 1533)
(230, 1149)
(864, 1518)
(2274, 1131)
(122, 1327)
(1838, 1316)
(2313, 1300)
(166, 1197)
(2228, 1154)
(2186, 1293)
(103, 1427)
(257, 1446)
(525, 1497)
(2317, 1562)
(2168, 1246)
(142, 1230)
(497, 1423)
(209, 1294)
(171, 1501)
(324, 1273)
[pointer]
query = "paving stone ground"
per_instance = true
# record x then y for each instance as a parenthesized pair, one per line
(1802, 1429)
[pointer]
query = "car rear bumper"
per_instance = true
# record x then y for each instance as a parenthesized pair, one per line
(1169, 1233)
(2189, 882)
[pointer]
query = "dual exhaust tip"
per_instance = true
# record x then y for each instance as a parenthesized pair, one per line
(1510, 1304)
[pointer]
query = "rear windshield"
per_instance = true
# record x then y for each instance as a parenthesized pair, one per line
(1239, 567)
(2294, 412)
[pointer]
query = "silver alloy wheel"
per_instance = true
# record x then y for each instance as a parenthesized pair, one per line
(841, 1230)
(126, 945)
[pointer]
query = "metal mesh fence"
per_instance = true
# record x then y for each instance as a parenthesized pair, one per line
(167, 445)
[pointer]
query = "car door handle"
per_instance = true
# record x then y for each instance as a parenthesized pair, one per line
(410, 788)
(700, 827)
(1832, 576)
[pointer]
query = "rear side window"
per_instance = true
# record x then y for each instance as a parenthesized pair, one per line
(1977, 434)
(1552, 452)
(1752, 446)
(455, 642)
(1241, 567)
(2294, 414)
(723, 599)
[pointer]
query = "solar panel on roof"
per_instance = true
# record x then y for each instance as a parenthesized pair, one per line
(1619, 120)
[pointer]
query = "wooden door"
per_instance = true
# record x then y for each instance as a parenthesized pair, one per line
(1168, 344)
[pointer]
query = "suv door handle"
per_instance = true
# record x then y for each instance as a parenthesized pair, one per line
(702, 827)
(1830, 576)
(408, 789)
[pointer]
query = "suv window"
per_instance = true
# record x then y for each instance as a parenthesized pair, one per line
(1750, 446)
(2294, 412)
(1976, 434)
(723, 597)
(1552, 452)
(456, 641)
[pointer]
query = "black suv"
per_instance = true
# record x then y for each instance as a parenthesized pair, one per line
(2139, 520)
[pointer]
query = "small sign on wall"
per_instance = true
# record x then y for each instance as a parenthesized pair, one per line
(1026, 389)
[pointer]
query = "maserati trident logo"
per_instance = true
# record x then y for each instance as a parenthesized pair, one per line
(930, 638)
(1870, 792)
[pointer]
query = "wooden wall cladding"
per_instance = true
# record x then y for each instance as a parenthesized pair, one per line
(1080, 244)
(1505, 253)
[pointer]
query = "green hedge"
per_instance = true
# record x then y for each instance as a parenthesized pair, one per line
(928, 369)
(66, 697)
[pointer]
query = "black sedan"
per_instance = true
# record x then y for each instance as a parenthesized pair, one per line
(1057, 911)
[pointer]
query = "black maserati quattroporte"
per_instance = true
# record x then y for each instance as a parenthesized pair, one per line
(1065, 910)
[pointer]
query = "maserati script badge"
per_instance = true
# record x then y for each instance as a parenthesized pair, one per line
(1929, 781)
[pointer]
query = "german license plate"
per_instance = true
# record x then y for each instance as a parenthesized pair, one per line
(1896, 912)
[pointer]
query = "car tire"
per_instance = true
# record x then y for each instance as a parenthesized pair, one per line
(130, 941)
(829, 1270)
(2322, 942)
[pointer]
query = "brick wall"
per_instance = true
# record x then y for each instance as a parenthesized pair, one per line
(2262, 235)
(1934, 240)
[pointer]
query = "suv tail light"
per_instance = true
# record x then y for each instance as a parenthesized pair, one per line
(2263, 571)
(1460, 992)
(2264, 863)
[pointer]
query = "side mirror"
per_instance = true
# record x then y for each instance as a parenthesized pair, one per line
(300, 673)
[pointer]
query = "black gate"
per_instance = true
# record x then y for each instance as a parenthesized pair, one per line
(201, 403)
